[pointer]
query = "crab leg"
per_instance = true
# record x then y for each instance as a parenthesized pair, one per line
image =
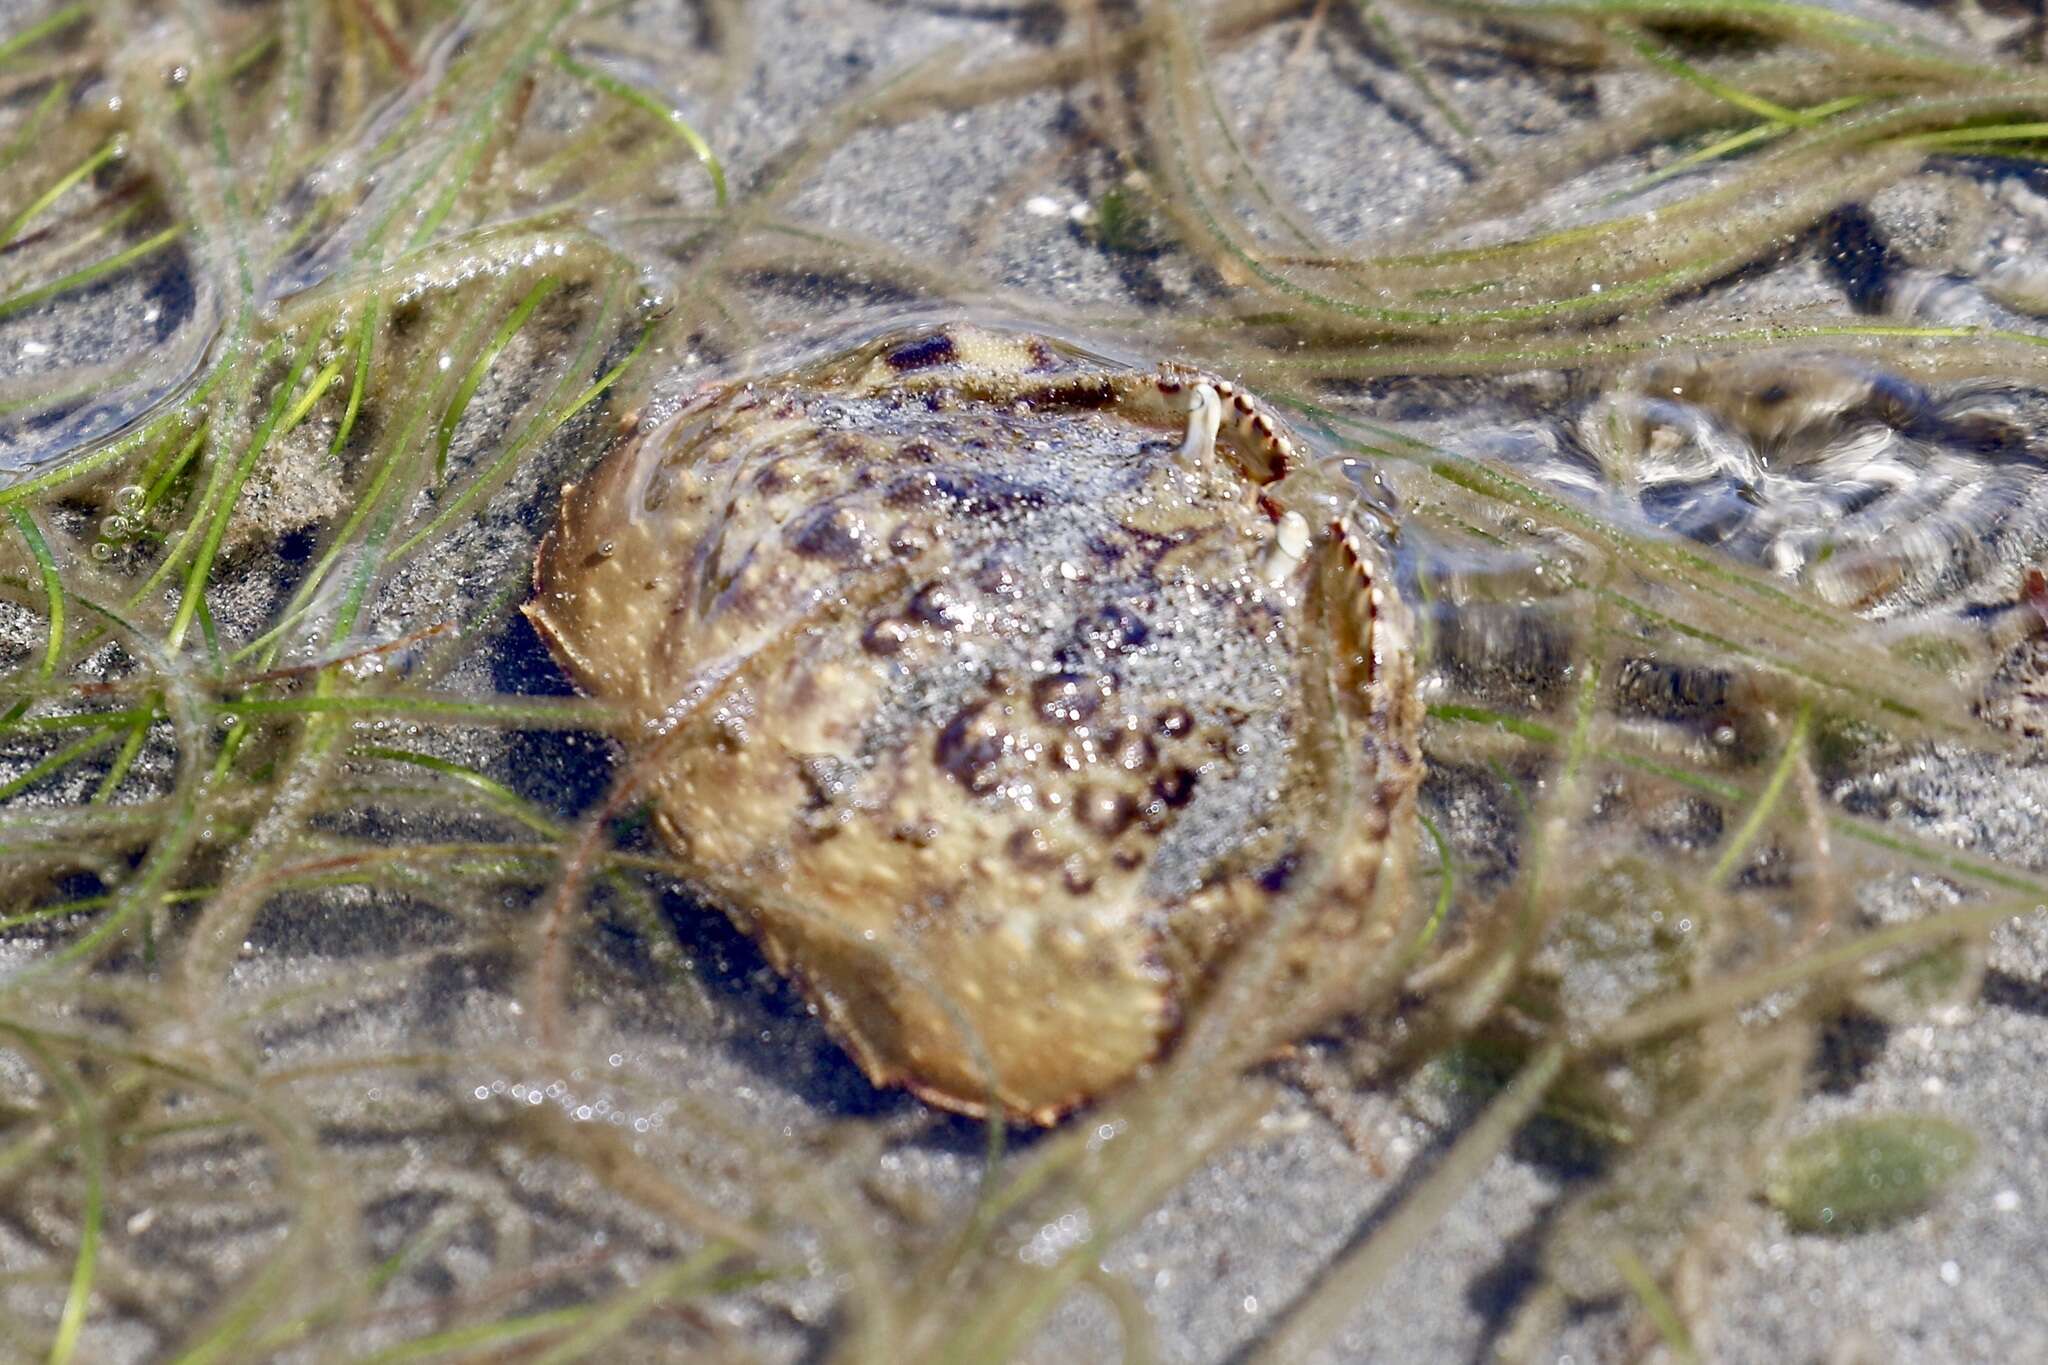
(1361, 597)
(1205, 419)
(1207, 403)
(1291, 542)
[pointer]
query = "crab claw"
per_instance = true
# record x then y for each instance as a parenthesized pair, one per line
(1205, 419)
(1291, 541)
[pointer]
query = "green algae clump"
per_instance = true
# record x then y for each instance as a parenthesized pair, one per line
(1866, 1172)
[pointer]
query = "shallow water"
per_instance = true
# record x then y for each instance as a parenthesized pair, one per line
(340, 1022)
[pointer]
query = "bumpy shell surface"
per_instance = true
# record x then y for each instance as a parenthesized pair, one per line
(993, 706)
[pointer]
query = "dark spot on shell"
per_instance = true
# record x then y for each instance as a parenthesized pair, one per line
(844, 447)
(1174, 721)
(1074, 393)
(1177, 788)
(1153, 546)
(833, 534)
(939, 604)
(830, 780)
(922, 354)
(920, 451)
(1104, 811)
(1135, 752)
(1118, 630)
(1076, 879)
(885, 636)
(1029, 848)
(1106, 552)
(968, 750)
(1274, 879)
(914, 491)
(997, 579)
(1066, 698)
(982, 495)
(910, 540)
(966, 493)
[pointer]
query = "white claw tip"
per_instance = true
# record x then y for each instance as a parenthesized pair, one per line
(1293, 535)
(1205, 418)
(1290, 547)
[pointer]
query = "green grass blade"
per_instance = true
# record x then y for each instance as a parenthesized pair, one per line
(497, 793)
(90, 274)
(481, 366)
(138, 734)
(54, 23)
(64, 183)
(669, 118)
(1730, 145)
(1719, 89)
(1657, 1306)
(481, 1338)
(535, 432)
(1446, 887)
(32, 128)
(92, 1152)
(607, 1320)
(175, 466)
(53, 587)
(1984, 133)
(328, 374)
(366, 341)
(202, 563)
(56, 762)
(1760, 809)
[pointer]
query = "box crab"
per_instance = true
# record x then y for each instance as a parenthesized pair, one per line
(1001, 692)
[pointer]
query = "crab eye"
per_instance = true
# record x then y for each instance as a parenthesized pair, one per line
(922, 354)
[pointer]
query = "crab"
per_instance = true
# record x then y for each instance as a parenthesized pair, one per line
(1002, 692)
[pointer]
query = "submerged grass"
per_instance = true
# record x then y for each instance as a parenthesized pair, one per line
(309, 945)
